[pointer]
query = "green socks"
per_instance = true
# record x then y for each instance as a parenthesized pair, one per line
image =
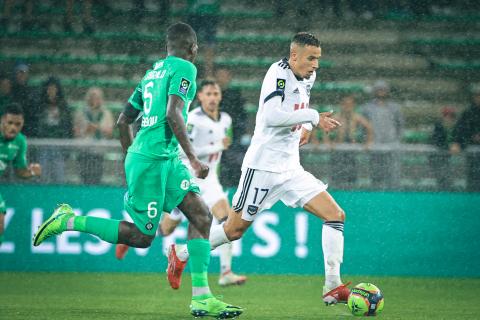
(105, 229)
(199, 250)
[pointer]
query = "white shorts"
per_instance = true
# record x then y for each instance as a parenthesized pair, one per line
(211, 192)
(259, 190)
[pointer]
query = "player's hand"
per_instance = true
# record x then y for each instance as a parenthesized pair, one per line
(327, 123)
(305, 136)
(200, 168)
(35, 169)
(226, 143)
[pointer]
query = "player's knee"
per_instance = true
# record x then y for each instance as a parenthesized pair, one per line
(145, 241)
(336, 215)
(234, 233)
(166, 229)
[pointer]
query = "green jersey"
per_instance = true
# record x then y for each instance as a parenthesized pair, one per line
(13, 150)
(170, 76)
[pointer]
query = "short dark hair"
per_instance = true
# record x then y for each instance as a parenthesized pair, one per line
(207, 82)
(305, 39)
(181, 35)
(13, 108)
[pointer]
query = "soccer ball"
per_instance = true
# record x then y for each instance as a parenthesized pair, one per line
(365, 299)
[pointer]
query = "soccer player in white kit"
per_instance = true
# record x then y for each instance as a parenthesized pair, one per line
(271, 169)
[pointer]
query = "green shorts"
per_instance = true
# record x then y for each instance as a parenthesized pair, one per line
(3, 205)
(154, 186)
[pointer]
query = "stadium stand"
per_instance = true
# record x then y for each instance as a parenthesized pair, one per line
(428, 60)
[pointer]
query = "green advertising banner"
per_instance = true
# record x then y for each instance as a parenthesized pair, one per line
(433, 234)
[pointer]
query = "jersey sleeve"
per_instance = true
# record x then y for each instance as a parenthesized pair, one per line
(20, 161)
(136, 99)
(229, 132)
(182, 80)
(274, 83)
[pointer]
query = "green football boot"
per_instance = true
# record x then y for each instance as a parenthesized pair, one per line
(212, 307)
(56, 224)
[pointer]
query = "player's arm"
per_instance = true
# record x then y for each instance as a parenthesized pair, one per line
(125, 119)
(20, 164)
(276, 117)
(175, 120)
(128, 116)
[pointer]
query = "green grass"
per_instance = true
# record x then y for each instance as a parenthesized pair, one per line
(120, 296)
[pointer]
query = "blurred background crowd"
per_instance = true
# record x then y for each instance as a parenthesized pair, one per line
(402, 76)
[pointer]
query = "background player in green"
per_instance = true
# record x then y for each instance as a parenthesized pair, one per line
(156, 179)
(13, 148)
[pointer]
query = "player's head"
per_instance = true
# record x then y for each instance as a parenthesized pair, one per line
(182, 41)
(209, 95)
(12, 121)
(305, 52)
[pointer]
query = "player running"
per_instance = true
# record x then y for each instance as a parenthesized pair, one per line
(13, 147)
(209, 131)
(157, 180)
(271, 169)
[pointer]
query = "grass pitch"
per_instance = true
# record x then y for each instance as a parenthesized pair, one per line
(121, 296)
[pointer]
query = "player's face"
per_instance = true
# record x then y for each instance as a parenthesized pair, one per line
(306, 60)
(210, 97)
(11, 125)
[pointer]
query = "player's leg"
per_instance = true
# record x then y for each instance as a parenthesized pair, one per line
(141, 202)
(325, 207)
(302, 189)
(184, 194)
(168, 223)
(220, 211)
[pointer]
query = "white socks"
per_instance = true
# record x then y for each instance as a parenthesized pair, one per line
(332, 245)
(225, 257)
(217, 238)
(181, 251)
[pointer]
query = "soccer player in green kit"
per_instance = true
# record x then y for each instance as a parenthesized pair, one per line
(13, 148)
(157, 180)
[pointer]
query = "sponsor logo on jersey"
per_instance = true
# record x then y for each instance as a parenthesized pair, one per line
(281, 84)
(252, 210)
(184, 85)
(296, 91)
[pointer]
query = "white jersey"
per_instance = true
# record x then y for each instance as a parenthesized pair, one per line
(206, 136)
(276, 148)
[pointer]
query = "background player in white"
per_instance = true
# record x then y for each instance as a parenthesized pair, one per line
(209, 131)
(271, 169)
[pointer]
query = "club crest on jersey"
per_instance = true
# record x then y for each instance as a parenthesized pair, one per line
(149, 226)
(252, 210)
(184, 85)
(308, 88)
(185, 184)
(281, 84)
